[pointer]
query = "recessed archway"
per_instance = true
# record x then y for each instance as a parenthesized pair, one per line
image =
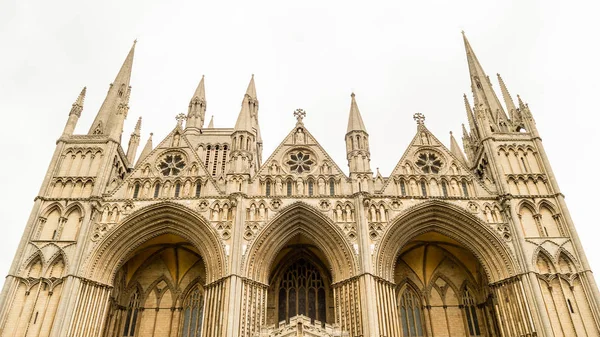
(300, 220)
(478, 238)
(300, 283)
(164, 273)
(150, 222)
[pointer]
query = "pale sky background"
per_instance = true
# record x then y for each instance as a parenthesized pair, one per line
(399, 57)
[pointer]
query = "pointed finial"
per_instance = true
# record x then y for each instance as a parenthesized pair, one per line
(352, 94)
(419, 118)
(77, 106)
(299, 114)
(211, 124)
(134, 41)
(138, 126)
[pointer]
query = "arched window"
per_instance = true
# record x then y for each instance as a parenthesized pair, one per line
(136, 190)
(444, 188)
(471, 313)
(156, 190)
(402, 187)
(331, 186)
(311, 187)
(132, 312)
(192, 314)
(224, 159)
(198, 188)
(177, 189)
(410, 314)
(268, 188)
(302, 292)
(423, 189)
(289, 188)
(465, 189)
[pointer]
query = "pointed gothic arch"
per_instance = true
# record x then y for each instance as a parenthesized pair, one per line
(303, 219)
(149, 222)
(453, 222)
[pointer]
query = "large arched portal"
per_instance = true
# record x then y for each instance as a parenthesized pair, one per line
(442, 290)
(163, 274)
(300, 284)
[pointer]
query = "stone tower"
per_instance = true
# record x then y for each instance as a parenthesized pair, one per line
(198, 236)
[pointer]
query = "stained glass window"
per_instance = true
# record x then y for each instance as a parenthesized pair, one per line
(300, 162)
(471, 313)
(410, 314)
(192, 314)
(171, 164)
(132, 312)
(429, 163)
(302, 292)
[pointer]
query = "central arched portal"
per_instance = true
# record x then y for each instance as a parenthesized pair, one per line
(300, 284)
(159, 291)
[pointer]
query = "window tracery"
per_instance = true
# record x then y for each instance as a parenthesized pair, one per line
(193, 314)
(300, 162)
(302, 292)
(410, 314)
(429, 162)
(171, 164)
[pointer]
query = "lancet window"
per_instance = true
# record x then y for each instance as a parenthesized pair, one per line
(132, 313)
(471, 313)
(192, 314)
(410, 314)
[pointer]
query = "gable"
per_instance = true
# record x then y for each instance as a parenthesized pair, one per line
(427, 160)
(299, 158)
(173, 161)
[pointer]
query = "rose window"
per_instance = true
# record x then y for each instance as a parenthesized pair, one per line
(429, 163)
(300, 162)
(171, 164)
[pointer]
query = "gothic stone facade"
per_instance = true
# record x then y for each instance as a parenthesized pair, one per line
(202, 237)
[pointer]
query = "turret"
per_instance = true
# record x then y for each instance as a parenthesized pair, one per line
(134, 142)
(196, 110)
(244, 157)
(75, 113)
(357, 142)
(111, 116)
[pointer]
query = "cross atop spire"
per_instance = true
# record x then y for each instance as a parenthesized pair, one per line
(299, 114)
(180, 119)
(419, 118)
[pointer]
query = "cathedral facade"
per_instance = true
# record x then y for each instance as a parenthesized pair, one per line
(200, 235)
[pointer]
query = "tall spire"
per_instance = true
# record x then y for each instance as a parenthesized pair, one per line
(355, 121)
(455, 149)
(251, 90)
(483, 93)
(75, 113)
(146, 150)
(134, 142)
(197, 108)
(112, 113)
(508, 101)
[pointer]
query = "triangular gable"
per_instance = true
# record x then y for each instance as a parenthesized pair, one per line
(299, 139)
(427, 153)
(149, 168)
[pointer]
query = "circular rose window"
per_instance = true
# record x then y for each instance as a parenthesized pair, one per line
(171, 164)
(300, 162)
(429, 162)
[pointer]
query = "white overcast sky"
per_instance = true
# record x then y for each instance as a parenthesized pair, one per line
(399, 57)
